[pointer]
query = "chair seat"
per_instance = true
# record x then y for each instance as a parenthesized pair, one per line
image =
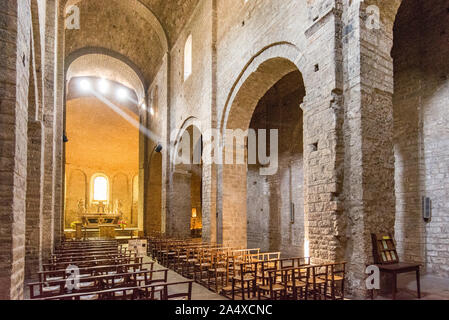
(87, 284)
(120, 293)
(320, 280)
(206, 264)
(297, 283)
(50, 289)
(89, 297)
(192, 260)
(119, 280)
(245, 278)
(218, 270)
(276, 287)
(229, 288)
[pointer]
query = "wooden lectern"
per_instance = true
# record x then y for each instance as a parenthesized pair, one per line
(387, 259)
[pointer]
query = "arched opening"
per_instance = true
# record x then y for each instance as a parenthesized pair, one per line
(102, 143)
(421, 122)
(275, 204)
(187, 189)
(263, 204)
(100, 189)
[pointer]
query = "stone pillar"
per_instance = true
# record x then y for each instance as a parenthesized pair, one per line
(35, 165)
(178, 220)
(15, 26)
(209, 203)
(233, 216)
(153, 220)
(369, 158)
(323, 110)
(59, 89)
(49, 120)
(34, 200)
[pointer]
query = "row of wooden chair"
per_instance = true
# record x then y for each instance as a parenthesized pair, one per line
(91, 270)
(147, 292)
(249, 274)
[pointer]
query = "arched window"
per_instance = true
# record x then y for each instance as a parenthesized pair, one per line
(100, 190)
(188, 58)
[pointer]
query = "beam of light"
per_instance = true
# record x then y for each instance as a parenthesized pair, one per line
(152, 111)
(127, 117)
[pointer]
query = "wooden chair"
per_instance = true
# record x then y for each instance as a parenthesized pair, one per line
(218, 274)
(244, 281)
(179, 295)
(318, 284)
(272, 286)
(203, 264)
(296, 281)
(336, 281)
(112, 294)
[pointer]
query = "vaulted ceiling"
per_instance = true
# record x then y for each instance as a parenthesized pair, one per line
(139, 30)
(173, 14)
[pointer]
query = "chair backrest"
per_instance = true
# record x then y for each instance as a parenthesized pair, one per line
(183, 295)
(248, 269)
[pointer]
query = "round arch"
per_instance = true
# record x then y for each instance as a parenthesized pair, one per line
(92, 186)
(177, 135)
(88, 62)
(262, 72)
(284, 55)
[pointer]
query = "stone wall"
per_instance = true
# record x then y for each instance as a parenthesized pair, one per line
(16, 24)
(421, 136)
(271, 199)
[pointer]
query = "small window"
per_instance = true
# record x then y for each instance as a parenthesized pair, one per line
(188, 58)
(100, 192)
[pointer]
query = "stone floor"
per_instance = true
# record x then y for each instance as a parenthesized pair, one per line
(199, 292)
(432, 288)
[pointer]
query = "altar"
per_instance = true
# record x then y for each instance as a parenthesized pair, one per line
(95, 220)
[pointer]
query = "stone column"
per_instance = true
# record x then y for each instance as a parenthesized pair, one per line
(34, 200)
(323, 110)
(15, 26)
(233, 223)
(209, 202)
(369, 158)
(178, 221)
(49, 120)
(59, 90)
